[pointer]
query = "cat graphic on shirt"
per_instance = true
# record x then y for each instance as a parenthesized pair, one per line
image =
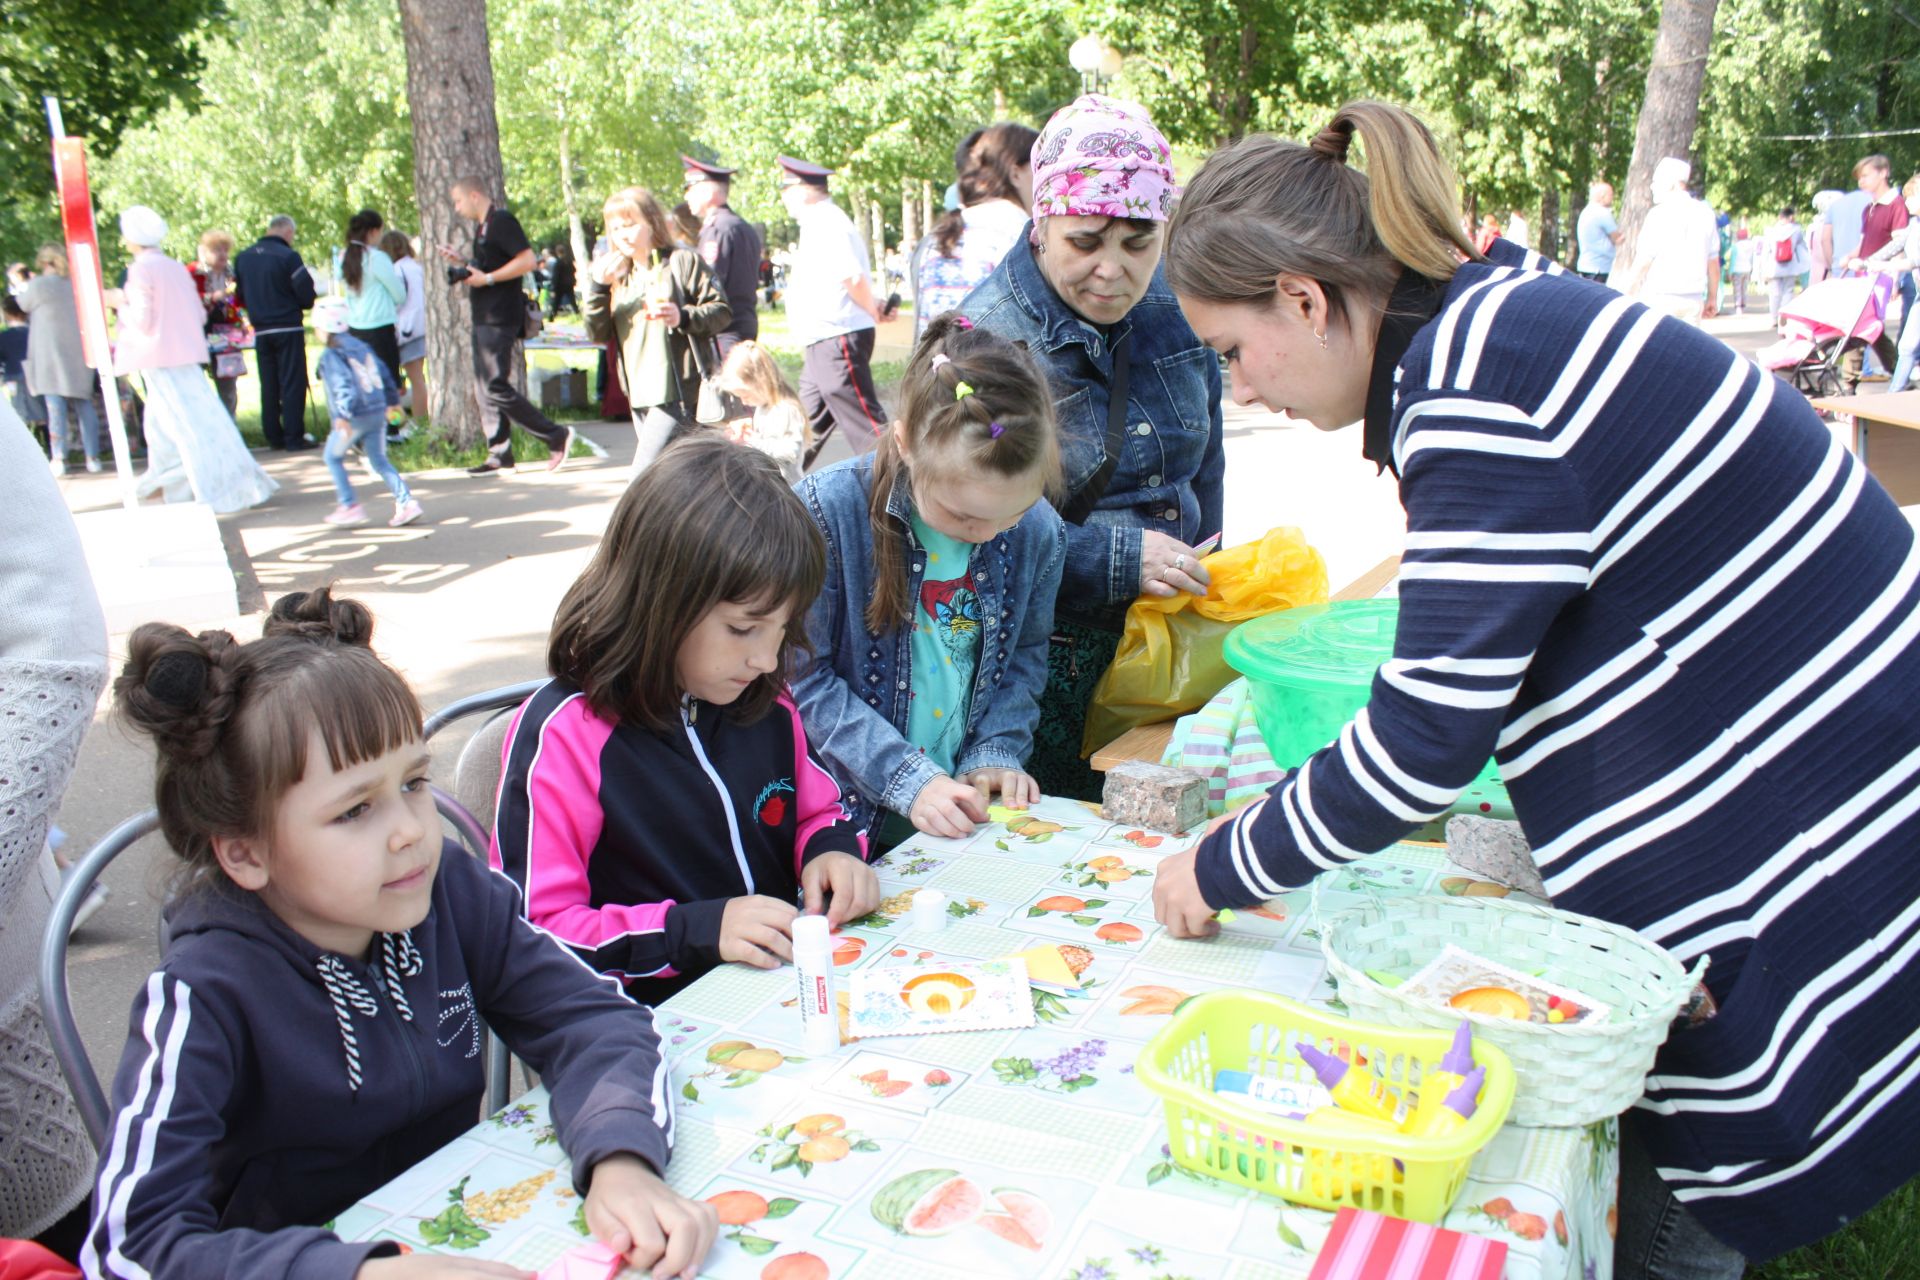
(954, 610)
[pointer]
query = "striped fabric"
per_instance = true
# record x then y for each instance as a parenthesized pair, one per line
(1641, 572)
(1371, 1246)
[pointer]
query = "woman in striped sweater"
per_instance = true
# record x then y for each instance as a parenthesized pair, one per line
(1641, 574)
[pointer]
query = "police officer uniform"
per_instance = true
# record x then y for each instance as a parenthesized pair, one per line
(731, 249)
(836, 333)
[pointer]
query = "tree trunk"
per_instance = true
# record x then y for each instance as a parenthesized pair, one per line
(1000, 109)
(1669, 112)
(455, 135)
(879, 251)
(1550, 247)
(927, 203)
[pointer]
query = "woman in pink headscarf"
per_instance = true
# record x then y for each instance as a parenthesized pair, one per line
(1136, 393)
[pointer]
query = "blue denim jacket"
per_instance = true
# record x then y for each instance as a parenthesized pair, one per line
(1171, 474)
(358, 382)
(853, 695)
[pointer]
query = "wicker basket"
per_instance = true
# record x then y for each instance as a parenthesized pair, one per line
(1568, 1075)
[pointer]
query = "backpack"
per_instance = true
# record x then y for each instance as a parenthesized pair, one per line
(1783, 249)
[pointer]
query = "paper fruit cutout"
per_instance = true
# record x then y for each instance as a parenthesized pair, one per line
(938, 1202)
(809, 1141)
(737, 1063)
(1022, 1218)
(1151, 1001)
(740, 1209)
(1499, 1002)
(1032, 830)
(1106, 869)
(796, 1266)
(938, 994)
(929, 1202)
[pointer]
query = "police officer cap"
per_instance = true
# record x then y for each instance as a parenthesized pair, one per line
(702, 171)
(801, 171)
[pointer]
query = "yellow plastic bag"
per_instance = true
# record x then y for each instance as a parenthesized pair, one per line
(1170, 662)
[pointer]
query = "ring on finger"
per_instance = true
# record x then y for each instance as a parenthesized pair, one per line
(1180, 562)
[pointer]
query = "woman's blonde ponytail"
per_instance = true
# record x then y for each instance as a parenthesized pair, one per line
(1412, 194)
(1263, 207)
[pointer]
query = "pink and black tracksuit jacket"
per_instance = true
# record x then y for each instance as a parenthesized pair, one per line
(628, 842)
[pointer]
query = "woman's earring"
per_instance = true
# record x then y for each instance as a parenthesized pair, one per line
(1323, 340)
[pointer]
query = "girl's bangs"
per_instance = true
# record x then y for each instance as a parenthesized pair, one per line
(360, 707)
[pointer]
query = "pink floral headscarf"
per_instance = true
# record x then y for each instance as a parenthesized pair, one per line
(1101, 157)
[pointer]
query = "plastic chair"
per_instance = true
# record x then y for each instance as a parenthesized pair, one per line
(56, 1004)
(476, 771)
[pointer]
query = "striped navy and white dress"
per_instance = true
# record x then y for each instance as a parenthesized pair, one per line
(1642, 575)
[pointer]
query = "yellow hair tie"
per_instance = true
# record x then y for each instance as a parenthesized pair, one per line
(961, 391)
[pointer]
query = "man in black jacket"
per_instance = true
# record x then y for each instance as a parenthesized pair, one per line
(275, 287)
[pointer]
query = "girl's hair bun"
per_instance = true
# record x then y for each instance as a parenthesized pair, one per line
(316, 615)
(179, 688)
(177, 678)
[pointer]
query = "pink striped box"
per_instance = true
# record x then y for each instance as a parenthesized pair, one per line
(1371, 1246)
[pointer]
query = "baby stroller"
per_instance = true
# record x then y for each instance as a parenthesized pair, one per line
(1822, 327)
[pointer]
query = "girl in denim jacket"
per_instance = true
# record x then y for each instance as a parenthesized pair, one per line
(930, 638)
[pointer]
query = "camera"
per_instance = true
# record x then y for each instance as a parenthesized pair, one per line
(458, 274)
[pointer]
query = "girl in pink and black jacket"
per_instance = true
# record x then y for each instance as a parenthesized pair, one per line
(658, 803)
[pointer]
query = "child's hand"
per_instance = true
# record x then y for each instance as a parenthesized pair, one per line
(854, 886)
(758, 930)
(647, 1222)
(1017, 790)
(432, 1266)
(947, 807)
(1177, 902)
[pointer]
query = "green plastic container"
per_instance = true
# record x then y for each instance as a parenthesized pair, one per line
(1309, 670)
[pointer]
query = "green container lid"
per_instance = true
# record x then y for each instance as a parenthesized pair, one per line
(1310, 670)
(1336, 645)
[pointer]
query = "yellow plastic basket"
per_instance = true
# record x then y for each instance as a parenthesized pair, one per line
(1408, 1177)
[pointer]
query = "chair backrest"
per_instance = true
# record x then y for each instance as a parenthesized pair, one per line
(56, 1001)
(56, 1005)
(476, 774)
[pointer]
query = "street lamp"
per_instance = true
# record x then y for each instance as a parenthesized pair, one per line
(1095, 60)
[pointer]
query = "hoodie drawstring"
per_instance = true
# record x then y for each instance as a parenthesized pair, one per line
(398, 958)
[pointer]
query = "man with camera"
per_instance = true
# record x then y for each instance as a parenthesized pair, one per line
(832, 311)
(501, 255)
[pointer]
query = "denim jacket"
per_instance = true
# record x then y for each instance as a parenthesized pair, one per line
(358, 382)
(853, 696)
(1171, 473)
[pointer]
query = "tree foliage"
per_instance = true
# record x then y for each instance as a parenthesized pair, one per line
(303, 112)
(112, 64)
(302, 109)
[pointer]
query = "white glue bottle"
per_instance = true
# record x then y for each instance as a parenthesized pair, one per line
(813, 957)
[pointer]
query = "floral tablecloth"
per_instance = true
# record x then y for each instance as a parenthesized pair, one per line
(1026, 1153)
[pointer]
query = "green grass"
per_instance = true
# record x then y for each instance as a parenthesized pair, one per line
(1882, 1245)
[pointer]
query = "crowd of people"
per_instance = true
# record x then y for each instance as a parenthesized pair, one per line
(1643, 579)
(1694, 263)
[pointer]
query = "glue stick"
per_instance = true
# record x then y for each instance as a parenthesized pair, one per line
(813, 958)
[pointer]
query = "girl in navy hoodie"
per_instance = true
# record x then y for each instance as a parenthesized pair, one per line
(314, 1028)
(658, 804)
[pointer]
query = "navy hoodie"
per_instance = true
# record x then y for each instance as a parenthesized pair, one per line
(268, 1085)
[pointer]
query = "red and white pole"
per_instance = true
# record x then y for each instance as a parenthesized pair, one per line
(84, 271)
